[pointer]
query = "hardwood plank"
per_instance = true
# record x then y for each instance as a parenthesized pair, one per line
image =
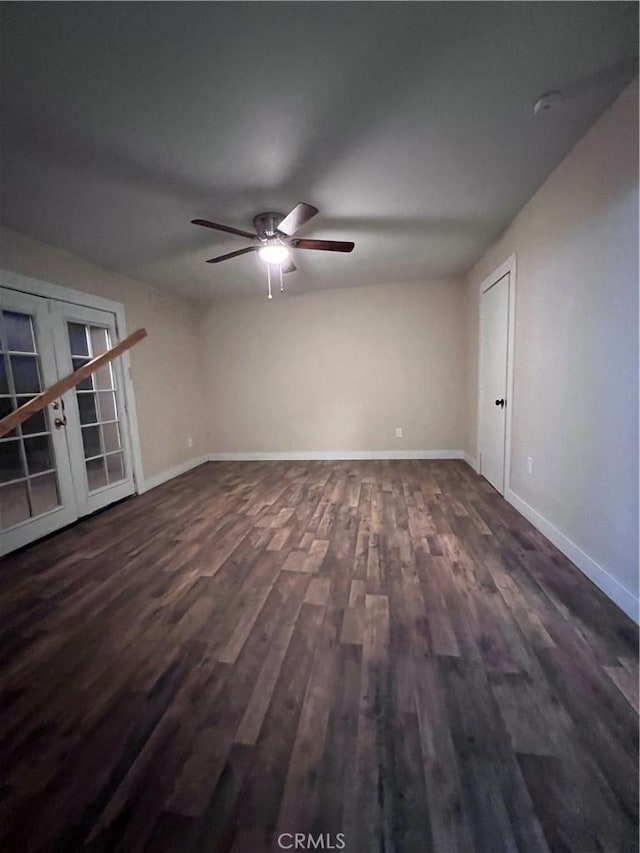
(279, 539)
(626, 682)
(251, 722)
(301, 790)
(261, 795)
(255, 593)
(366, 822)
(210, 752)
(357, 593)
(500, 814)
(318, 591)
(295, 561)
(444, 789)
(353, 625)
(317, 553)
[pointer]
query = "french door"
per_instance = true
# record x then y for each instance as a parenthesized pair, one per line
(74, 457)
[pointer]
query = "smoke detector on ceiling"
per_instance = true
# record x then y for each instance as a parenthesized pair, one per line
(548, 102)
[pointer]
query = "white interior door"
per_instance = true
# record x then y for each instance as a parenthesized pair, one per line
(36, 488)
(97, 429)
(494, 317)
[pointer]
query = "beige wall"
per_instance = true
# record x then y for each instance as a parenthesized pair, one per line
(575, 401)
(338, 370)
(166, 366)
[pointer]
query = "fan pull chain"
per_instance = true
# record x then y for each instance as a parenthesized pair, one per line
(281, 279)
(269, 279)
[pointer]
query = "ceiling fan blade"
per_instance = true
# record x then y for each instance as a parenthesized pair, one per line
(288, 266)
(232, 255)
(294, 220)
(324, 245)
(229, 230)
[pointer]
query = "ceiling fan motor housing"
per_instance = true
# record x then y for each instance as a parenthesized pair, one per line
(266, 224)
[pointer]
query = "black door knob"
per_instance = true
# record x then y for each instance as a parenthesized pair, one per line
(500, 403)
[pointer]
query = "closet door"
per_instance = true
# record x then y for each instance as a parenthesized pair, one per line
(97, 426)
(36, 488)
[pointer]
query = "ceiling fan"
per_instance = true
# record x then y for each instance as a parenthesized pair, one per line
(275, 237)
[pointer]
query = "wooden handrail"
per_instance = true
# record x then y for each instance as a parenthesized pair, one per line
(15, 418)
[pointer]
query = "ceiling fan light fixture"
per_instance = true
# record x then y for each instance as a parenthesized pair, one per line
(274, 253)
(275, 238)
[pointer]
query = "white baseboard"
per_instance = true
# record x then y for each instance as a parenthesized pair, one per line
(315, 455)
(471, 461)
(182, 468)
(605, 581)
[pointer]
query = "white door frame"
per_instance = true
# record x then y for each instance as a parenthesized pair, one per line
(508, 266)
(46, 289)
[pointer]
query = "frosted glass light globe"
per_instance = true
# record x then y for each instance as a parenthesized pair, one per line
(274, 254)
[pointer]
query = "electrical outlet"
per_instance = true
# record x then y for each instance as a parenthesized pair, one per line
(189, 442)
(398, 432)
(529, 464)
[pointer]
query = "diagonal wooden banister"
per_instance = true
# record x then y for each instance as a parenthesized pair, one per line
(60, 387)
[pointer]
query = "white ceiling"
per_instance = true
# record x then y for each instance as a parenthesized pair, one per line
(410, 125)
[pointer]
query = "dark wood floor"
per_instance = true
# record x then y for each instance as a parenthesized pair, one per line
(381, 649)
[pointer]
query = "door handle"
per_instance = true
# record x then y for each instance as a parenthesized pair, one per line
(500, 403)
(60, 422)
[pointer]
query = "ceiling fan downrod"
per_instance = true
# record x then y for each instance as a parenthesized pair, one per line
(266, 224)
